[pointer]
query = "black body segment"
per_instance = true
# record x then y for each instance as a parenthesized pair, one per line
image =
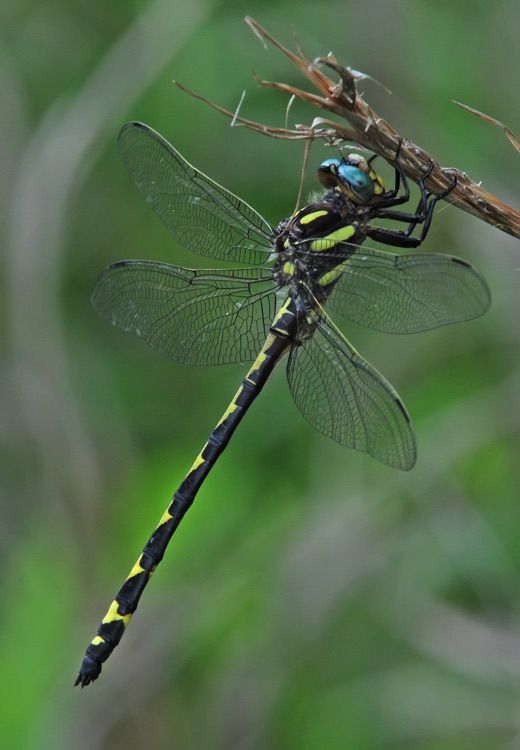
(263, 312)
(125, 603)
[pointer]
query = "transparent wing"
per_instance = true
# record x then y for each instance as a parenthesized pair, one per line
(408, 293)
(345, 398)
(195, 317)
(200, 214)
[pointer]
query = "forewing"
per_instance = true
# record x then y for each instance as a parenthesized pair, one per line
(408, 293)
(345, 398)
(195, 317)
(200, 214)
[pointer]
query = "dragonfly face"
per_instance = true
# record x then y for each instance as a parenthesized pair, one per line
(353, 177)
(258, 313)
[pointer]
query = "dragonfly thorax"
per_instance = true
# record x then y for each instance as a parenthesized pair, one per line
(312, 243)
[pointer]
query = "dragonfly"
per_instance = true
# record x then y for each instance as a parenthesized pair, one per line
(272, 306)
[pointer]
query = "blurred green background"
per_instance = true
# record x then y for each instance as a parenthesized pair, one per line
(312, 597)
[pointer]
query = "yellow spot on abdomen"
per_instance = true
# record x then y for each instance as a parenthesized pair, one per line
(198, 461)
(165, 518)
(113, 615)
(136, 569)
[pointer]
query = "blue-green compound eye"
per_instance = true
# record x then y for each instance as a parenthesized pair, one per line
(330, 163)
(355, 182)
(328, 172)
(352, 180)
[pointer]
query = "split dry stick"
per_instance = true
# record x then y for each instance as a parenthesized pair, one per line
(364, 126)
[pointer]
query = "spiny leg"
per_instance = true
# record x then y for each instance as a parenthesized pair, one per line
(392, 197)
(423, 215)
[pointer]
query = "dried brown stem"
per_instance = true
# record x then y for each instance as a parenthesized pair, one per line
(368, 129)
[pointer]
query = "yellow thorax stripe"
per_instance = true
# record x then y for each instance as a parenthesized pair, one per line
(312, 216)
(327, 243)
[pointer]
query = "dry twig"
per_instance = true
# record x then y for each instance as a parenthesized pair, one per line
(368, 129)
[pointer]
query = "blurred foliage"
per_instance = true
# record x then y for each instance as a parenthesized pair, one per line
(312, 598)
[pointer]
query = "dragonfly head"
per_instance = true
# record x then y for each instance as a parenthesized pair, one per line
(353, 176)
